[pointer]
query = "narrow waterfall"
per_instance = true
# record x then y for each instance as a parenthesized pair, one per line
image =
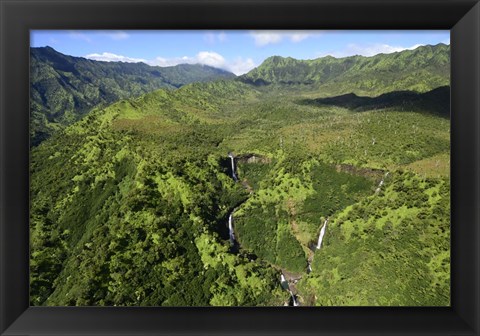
(286, 287)
(381, 183)
(284, 283)
(230, 228)
(322, 233)
(309, 268)
(233, 167)
(295, 303)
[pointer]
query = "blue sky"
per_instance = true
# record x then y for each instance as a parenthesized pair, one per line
(236, 51)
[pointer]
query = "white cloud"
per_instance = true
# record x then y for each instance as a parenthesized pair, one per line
(238, 66)
(110, 57)
(446, 41)
(209, 37)
(211, 58)
(79, 36)
(116, 35)
(297, 37)
(212, 37)
(265, 37)
(222, 37)
(368, 50)
(204, 57)
(163, 62)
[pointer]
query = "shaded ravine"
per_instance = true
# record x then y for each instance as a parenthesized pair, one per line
(231, 232)
(236, 245)
(287, 280)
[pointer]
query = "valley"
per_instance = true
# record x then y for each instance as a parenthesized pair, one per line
(278, 187)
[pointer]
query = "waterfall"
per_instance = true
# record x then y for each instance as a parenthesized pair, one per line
(285, 286)
(284, 282)
(381, 183)
(233, 167)
(322, 233)
(309, 268)
(295, 303)
(230, 228)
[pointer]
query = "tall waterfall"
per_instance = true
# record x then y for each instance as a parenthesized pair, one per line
(322, 233)
(233, 167)
(230, 228)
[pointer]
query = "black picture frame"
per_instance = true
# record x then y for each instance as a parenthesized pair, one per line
(17, 17)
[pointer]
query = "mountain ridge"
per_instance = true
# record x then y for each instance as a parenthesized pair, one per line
(64, 88)
(421, 69)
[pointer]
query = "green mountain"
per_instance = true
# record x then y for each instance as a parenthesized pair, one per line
(64, 88)
(421, 70)
(133, 205)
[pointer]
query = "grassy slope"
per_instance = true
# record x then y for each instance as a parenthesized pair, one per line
(391, 248)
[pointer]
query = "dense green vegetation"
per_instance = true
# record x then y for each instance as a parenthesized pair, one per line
(421, 70)
(395, 243)
(64, 88)
(130, 204)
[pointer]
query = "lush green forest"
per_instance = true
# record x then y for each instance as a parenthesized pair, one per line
(137, 204)
(65, 88)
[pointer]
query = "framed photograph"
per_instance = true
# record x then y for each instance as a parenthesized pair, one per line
(242, 168)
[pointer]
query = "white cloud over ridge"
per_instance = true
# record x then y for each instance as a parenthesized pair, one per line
(265, 37)
(110, 57)
(238, 66)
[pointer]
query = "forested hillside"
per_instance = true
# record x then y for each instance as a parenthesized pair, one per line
(420, 70)
(231, 193)
(64, 88)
